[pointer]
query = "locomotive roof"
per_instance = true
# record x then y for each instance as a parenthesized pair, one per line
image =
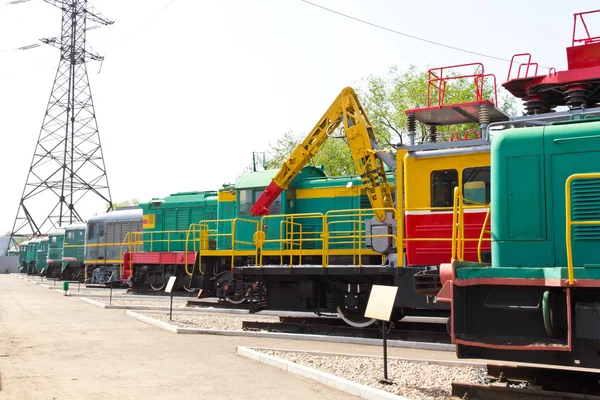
(118, 215)
(256, 179)
(58, 232)
(261, 179)
(449, 151)
(73, 227)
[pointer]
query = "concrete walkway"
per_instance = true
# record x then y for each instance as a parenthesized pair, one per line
(58, 348)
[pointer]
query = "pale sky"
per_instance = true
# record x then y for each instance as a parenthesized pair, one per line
(184, 98)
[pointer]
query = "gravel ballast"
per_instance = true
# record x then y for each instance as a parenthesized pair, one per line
(209, 321)
(415, 380)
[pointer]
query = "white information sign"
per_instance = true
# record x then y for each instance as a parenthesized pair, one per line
(170, 284)
(381, 302)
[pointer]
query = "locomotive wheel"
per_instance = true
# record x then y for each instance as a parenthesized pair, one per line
(356, 321)
(158, 287)
(187, 284)
(237, 298)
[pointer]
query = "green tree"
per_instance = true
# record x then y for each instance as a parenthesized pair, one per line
(125, 203)
(334, 155)
(385, 98)
(281, 150)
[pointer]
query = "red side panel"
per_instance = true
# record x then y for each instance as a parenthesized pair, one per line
(583, 56)
(126, 267)
(155, 258)
(439, 225)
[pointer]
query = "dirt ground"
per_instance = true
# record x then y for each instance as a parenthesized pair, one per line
(59, 348)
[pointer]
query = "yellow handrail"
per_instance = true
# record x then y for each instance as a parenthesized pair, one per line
(133, 241)
(455, 224)
(483, 231)
(569, 223)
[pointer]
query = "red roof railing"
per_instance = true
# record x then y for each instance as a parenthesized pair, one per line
(524, 67)
(439, 78)
(578, 19)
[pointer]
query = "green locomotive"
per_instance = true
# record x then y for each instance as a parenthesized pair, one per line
(41, 264)
(23, 256)
(216, 228)
(56, 242)
(31, 257)
(73, 252)
(539, 299)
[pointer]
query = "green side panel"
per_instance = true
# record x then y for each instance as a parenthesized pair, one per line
(32, 249)
(574, 148)
(74, 245)
(518, 199)
(525, 220)
(55, 247)
(42, 253)
(526, 273)
(529, 170)
(226, 210)
(22, 254)
(173, 217)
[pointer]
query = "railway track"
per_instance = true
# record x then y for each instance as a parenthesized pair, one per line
(531, 383)
(406, 331)
(203, 303)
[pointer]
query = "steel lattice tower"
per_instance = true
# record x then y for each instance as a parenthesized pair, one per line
(67, 171)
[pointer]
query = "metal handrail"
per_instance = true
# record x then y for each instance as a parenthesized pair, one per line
(569, 222)
(133, 241)
(483, 232)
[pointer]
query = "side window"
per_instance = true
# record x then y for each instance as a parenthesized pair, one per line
(245, 197)
(275, 207)
(92, 231)
(248, 198)
(476, 185)
(101, 229)
(443, 183)
(53, 239)
(71, 235)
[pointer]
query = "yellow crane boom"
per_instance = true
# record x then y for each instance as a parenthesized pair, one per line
(347, 110)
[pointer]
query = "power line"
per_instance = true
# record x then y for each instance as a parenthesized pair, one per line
(405, 34)
(153, 17)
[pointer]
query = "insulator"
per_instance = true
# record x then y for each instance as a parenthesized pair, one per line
(433, 133)
(411, 123)
(484, 115)
(575, 95)
(536, 105)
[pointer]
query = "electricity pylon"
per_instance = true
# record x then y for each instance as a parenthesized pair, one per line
(67, 172)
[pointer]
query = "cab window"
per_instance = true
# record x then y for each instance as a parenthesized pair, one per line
(92, 231)
(476, 185)
(245, 197)
(443, 183)
(248, 197)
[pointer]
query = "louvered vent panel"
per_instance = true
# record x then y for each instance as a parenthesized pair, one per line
(585, 206)
(183, 220)
(110, 233)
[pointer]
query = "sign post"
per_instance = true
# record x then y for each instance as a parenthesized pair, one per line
(380, 306)
(169, 289)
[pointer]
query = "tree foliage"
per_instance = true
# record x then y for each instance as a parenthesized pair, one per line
(334, 155)
(125, 203)
(385, 98)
